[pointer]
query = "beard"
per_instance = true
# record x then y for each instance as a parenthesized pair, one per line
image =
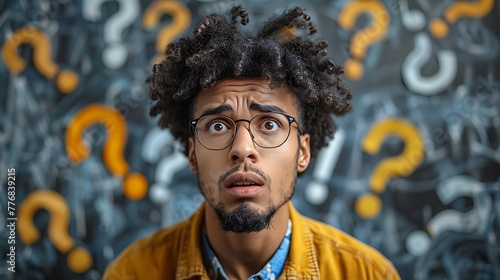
(244, 219)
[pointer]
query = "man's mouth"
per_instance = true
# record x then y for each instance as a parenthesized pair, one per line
(240, 179)
(244, 184)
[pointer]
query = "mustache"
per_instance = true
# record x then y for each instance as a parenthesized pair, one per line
(247, 167)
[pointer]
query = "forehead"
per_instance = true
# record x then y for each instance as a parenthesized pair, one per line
(240, 94)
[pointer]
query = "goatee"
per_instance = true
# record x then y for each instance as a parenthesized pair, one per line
(244, 219)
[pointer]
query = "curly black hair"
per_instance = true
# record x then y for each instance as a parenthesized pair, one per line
(220, 50)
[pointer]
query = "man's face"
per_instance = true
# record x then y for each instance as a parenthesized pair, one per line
(244, 183)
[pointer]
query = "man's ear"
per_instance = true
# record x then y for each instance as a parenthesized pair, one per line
(192, 156)
(304, 153)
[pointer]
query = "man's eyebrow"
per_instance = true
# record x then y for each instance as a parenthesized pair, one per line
(266, 108)
(217, 110)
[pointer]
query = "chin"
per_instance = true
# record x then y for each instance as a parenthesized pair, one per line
(245, 218)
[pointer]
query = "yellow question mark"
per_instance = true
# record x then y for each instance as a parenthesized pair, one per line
(181, 18)
(135, 185)
(66, 81)
(438, 27)
(79, 259)
(364, 38)
(370, 205)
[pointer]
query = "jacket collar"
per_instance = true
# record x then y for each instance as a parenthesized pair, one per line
(300, 264)
(190, 262)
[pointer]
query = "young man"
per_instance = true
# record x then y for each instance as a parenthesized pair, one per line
(252, 111)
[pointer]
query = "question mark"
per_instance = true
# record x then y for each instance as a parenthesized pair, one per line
(369, 205)
(66, 81)
(181, 18)
(418, 57)
(114, 54)
(477, 9)
(153, 142)
(418, 242)
(316, 191)
(79, 259)
(412, 20)
(476, 218)
(135, 185)
(363, 39)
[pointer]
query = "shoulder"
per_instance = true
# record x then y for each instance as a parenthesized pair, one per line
(349, 255)
(141, 257)
(158, 241)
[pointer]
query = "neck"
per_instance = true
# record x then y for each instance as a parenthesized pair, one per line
(243, 254)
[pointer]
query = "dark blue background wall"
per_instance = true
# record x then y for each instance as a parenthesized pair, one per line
(422, 141)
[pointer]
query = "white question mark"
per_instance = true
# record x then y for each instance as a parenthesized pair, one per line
(316, 191)
(418, 57)
(160, 192)
(419, 242)
(154, 141)
(114, 55)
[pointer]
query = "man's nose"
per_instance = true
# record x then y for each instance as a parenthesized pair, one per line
(243, 147)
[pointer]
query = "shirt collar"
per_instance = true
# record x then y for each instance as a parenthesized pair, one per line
(271, 270)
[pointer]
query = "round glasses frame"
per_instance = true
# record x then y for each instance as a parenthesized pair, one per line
(193, 123)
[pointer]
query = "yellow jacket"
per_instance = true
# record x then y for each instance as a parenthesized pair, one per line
(317, 251)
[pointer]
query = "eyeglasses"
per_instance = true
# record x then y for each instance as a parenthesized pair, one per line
(268, 130)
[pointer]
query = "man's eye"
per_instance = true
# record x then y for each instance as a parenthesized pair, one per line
(217, 127)
(270, 125)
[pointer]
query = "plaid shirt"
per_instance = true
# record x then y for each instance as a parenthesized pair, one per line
(270, 271)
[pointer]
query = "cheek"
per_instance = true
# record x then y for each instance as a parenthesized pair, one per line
(285, 155)
(281, 165)
(210, 165)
